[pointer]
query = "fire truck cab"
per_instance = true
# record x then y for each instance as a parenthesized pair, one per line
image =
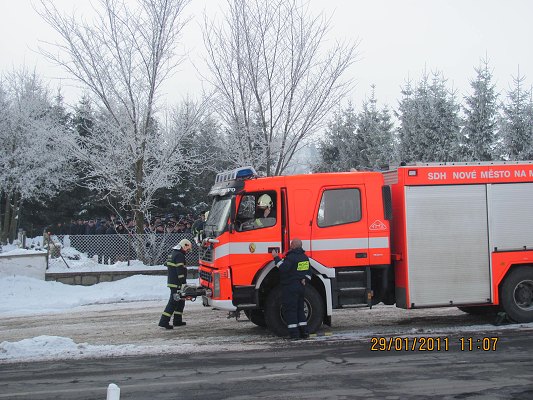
(418, 236)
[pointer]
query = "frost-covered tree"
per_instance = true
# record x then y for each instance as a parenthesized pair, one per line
(191, 195)
(122, 57)
(429, 121)
(516, 124)
(358, 141)
(274, 81)
(340, 148)
(481, 117)
(33, 163)
(375, 132)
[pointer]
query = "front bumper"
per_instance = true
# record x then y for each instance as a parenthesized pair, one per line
(225, 305)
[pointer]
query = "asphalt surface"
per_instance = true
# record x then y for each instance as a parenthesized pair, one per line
(329, 367)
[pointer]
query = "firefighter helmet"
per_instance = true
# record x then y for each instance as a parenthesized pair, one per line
(264, 201)
(185, 242)
(206, 215)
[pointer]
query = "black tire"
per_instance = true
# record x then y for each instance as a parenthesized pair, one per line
(516, 295)
(257, 317)
(480, 310)
(314, 310)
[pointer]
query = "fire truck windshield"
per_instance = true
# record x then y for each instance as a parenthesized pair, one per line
(218, 216)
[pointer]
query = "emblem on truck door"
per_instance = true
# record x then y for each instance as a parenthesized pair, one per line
(377, 226)
(251, 247)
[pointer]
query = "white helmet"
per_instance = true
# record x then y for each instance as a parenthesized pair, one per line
(264, 201)
(185, 242)
(206, 215)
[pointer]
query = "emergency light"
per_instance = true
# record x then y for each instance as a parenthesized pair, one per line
(238, 173)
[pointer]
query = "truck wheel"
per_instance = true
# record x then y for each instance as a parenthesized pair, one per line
(257, 317)
(314, 310)
(480, 310)
(517, 294)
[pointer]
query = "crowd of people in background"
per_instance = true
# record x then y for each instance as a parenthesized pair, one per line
(113, 225)
(98, 237)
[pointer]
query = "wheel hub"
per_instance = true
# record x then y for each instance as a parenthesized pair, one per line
(523, 295)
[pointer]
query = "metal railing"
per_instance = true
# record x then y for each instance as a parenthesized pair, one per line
(150, 248)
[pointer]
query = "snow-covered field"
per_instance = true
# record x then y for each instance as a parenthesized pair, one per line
(41, 320)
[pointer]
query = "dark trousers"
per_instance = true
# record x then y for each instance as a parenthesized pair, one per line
(293, 308)
(173, 307)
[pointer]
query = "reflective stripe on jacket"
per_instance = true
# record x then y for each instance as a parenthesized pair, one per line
(177, 272)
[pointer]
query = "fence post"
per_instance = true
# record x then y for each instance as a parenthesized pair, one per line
(46, 236)
(113, 392)
(129, 248)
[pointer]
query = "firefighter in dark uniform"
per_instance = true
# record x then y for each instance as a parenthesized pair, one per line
(294, 271)
(177, 276)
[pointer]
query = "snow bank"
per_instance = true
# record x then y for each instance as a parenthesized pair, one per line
(23, 295)
(43, 348)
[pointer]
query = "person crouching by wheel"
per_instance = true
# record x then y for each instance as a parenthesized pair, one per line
(177, 276)
(294, 272)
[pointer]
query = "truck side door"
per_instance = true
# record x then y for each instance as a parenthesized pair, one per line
(339, 234)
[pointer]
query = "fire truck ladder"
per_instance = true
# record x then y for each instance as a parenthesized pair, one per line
(353, 286)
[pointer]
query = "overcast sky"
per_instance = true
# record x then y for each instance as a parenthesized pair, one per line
(398, 38)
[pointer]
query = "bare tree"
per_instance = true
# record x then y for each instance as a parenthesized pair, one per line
(122, 57)
(33, 165)
(274, 81)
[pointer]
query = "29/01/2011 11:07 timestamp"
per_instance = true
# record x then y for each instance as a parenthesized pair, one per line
(432, 343)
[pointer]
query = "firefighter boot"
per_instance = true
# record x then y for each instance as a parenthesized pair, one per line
(304, 334)
(178, 320)
(164, 322)
(294, 334)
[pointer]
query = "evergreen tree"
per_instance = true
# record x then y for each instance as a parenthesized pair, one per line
(339, 150)
(516, 124)
(481, 111)
(375, 137)
(358, 141)
(406, 115)
(429, 121)
(191, 194)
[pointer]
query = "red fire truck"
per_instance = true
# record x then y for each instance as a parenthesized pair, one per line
(432, 235)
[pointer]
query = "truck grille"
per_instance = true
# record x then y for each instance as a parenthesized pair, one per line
(205, 254)
(206, 276)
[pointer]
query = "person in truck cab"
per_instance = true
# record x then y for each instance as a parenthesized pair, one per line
(265, 212)
(294, 273)
(177, 277)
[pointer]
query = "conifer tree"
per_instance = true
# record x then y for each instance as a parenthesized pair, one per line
(358, 141)
(429, 121)
(339, 150)
(481, 112)
(375, 137)
(516, 124)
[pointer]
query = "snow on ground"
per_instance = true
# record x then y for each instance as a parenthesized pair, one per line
(28, 296)
(21, 296)
(32, 297)
(42, 348)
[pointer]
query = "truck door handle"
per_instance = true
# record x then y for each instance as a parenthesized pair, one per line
(273, 248)
(361, 255)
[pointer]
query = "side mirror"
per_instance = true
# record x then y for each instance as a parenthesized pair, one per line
(232, 215)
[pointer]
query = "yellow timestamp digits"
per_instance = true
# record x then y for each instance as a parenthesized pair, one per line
(430, 343)
(414, 343)
(483, 344)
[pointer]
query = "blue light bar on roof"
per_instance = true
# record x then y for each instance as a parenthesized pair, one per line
(238, 173)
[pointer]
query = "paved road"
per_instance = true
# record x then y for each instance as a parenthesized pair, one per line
(322, 368)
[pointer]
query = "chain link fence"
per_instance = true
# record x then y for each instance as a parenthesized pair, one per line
(150, 249)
